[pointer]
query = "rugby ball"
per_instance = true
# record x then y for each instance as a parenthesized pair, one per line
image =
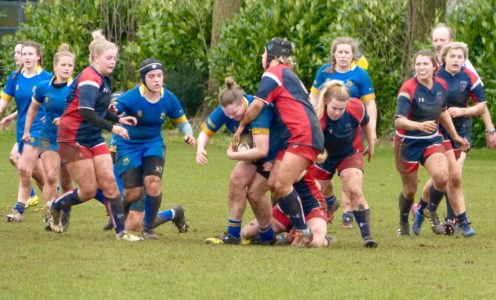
(245, 143)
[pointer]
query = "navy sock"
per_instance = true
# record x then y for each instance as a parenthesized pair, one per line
(450, 214)
(347, 216)
(405, 206)
(163, 217)
(20, 207)
(116, 213)
(152, 205)
(363, 220)
(234, 228)
(462, 218)
(66, 200)
(291, 206)
(266, 234)
(435, 198)
(422, 205)
(330, 201)
(99, 196)
(32, 193)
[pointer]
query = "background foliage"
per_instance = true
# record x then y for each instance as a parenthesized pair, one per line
(179, 32)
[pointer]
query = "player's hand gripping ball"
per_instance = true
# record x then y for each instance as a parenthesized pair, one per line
(245, 143)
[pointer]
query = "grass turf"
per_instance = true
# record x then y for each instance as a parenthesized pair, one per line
(86, 262)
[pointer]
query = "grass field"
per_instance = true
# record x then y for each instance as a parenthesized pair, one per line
(87, 263)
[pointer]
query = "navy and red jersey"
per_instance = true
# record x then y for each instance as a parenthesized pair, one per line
(292, 109)
(90, 90)
(418, 103)
(343, 137)
(462, 87)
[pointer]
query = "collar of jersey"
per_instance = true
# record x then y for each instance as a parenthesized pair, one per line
(245, 102)
(39, 69)
(69, 80)
(142, 89)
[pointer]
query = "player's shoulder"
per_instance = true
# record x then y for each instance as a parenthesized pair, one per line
(325, 68)
(90, 74)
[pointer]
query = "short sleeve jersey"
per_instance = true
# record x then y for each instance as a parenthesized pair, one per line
(418, 103)
(292, 109)
(343, 137)
(357, 80)
(52, 98)
(218, 118)
(89, 90)
(22, 89)
(150, 116)
(462, 87)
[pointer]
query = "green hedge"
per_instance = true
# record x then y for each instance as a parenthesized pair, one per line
(178, 33)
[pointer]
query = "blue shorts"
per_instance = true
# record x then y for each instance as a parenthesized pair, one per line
(409, 153)
(47, 145)
(464, 130)
(35, 140)
(129, 156)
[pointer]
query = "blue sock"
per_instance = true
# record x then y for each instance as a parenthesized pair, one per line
(362, 218)
(163, 217)
(266, 234)
(435, 198)
(450, 214)
(119, 181)
(66, 200)
(462, 218)
(291, 206)
(20, 207)
(234, 228)
(99, 196)
(32, 194)
(152, 205)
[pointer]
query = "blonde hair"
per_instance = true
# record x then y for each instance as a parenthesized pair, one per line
(63, 50)
(286, 60)
(334, 46)
(99, 44)
(333, 89)
(454, 46)
(232, 93)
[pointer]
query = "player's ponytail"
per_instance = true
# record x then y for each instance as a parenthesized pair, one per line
(63, 50)
(231, 94)
(99, 44)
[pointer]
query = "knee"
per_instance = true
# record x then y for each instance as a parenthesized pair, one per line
(51, 178)
(132, 195)
(109, 187)
(235, 183)
(455, 179)
(409, 191)
(86, 193)
(154, 187)
(24, 172)
(440, 180)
